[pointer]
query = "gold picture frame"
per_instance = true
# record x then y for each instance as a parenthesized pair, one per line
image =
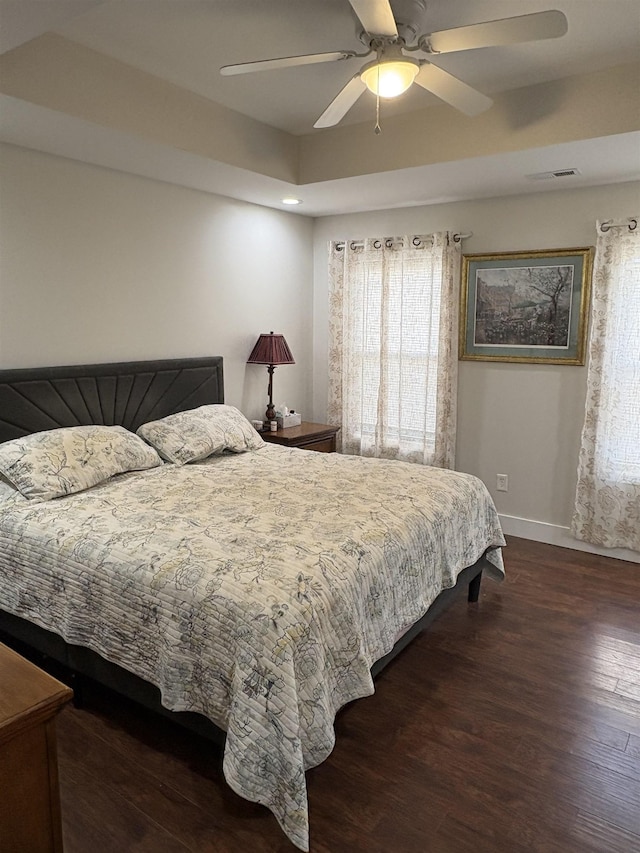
(526, 306)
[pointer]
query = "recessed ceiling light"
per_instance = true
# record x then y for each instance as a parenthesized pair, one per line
(291, 200)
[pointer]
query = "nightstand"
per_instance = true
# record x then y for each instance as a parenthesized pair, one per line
(320, 437)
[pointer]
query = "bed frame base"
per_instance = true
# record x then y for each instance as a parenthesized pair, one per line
(471, 576)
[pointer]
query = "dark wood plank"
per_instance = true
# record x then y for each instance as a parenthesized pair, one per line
(511, 725)
(601, 835)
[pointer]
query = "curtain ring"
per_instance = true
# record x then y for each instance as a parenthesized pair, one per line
(633, 224)
(377, 244)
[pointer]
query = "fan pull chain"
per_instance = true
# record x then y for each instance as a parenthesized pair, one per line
(377, 129)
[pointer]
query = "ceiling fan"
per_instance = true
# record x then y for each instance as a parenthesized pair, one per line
(401, 55)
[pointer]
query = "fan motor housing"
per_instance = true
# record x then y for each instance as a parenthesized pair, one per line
(409, 17)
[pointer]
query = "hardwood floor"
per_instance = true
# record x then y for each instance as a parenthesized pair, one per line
(511, 725)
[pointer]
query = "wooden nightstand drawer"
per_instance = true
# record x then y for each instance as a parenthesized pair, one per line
(327, 445)
(319, 437)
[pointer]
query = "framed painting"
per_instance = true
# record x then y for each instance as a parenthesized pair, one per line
(526, 306)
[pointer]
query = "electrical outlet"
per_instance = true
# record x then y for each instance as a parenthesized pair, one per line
(502, 482)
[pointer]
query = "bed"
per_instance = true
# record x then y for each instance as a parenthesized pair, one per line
(250, 592)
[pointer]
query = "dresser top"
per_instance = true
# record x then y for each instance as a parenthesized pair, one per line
(27, 694)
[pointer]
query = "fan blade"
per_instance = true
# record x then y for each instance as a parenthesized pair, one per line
(451, 90)
(538, 25)
(375, 16)
(285, 62)
(342, 103)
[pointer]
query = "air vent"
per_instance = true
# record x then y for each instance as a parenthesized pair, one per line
(557, 173)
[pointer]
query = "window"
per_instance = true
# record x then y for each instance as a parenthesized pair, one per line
(393, 320)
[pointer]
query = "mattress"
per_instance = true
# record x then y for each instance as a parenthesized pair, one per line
(257, 589)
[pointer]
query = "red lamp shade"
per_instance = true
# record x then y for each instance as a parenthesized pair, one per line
(271, 350)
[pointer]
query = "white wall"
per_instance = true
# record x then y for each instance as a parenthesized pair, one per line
(97, 265)
(518, 419)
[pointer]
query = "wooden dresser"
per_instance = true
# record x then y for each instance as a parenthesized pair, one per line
(29, 794)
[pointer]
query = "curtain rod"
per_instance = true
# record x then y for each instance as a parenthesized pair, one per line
(629, 223)
(391, 240)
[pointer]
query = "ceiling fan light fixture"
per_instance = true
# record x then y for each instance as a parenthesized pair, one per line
(393, 71)
(389, 78)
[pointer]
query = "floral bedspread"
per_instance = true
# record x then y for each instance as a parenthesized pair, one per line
(257, 589)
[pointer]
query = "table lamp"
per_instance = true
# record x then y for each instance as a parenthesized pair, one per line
(271, 350)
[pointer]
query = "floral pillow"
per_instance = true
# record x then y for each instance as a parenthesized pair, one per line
(199, 433)
(7, 491)
(58, 462)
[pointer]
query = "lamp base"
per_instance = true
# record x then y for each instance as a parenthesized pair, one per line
(270, 414)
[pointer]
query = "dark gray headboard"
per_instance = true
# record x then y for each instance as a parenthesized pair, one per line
(124, 393)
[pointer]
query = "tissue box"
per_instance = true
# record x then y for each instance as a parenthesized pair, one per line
(292, 419)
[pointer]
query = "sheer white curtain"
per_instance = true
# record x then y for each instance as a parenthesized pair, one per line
(393, 320)
(607, 510)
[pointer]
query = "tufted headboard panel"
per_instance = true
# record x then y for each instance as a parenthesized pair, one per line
(124, 393)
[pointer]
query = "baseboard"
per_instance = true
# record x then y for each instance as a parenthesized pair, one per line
(554, 534)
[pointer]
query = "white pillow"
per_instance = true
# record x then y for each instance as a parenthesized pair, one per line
(57, 462)
(199, 433)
